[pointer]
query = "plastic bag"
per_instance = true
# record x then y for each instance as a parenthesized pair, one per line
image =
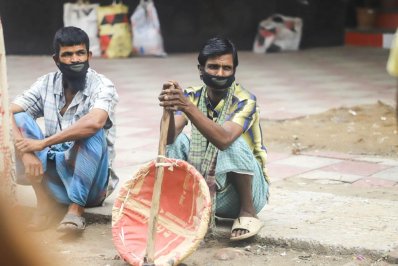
(392, 63)
(147, 37)
(84, 16)
(278, 33)
(114, 30)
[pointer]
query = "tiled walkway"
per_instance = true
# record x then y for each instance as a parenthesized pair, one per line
(287, 85)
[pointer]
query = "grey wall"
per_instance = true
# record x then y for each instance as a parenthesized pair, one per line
(29, 25)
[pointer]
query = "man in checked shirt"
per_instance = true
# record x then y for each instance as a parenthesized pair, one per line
(226, 143)
(71, 163)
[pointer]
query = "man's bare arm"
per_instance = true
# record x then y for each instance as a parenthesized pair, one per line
(32, 164)
(16, 109)
(222, 137)
(85, 127)
(177, 124)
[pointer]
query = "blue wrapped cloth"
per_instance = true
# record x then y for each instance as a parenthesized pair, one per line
(74, 172)
(237, 158)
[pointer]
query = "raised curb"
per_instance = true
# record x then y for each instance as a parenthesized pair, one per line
(311, 237)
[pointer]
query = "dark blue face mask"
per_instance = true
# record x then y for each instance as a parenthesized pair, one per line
(217, 82)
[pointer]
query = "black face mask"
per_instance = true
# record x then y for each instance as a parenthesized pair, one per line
(74, 74)
(216, 82)
(75, 70)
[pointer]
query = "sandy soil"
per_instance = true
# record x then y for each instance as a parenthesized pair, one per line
(364, 129)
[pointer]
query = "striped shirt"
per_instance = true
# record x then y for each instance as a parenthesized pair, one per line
(45, 98)
(243, 111)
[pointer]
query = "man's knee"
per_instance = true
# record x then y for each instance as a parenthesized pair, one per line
(28, 126)
(180, 148)
(96, 142)
(237, 157)
(94, 149)
(22, 118)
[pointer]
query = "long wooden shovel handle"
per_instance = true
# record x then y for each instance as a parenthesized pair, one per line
(153, 216)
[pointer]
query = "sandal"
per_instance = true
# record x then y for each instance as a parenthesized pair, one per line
(72, 223)
(250, 224)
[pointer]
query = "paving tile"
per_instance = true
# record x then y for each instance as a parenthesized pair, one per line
(380, 160)
(277, 172)
(327, 175)
(275, 156)
(123, 131)
(117, 164)
(388, 174)
(127, 161)
(133, 143)
(370, 182)
(329, 154)
(310, 162)
(124, 119)
(120, 108)
(328, 182)
(355, 168)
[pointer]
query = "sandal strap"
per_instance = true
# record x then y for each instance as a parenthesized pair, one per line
(69, 218)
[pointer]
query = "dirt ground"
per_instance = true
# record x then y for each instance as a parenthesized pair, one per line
(95, 248)
(365, 129)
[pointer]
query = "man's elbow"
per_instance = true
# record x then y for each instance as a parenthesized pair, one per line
(96, 119)
(15, 109)
(97, 125)
(224, 145)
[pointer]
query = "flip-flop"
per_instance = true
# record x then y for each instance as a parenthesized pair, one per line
(72, 223)
(251, 224)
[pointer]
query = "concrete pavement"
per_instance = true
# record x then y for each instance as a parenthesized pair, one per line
(287, 85)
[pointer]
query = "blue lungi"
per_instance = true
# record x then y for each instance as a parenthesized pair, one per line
(74, 172)
(236, 158)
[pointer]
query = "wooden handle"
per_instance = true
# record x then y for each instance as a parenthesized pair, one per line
(153, 216)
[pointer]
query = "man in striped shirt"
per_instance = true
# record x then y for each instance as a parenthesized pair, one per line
(226, 140)
(71, 162)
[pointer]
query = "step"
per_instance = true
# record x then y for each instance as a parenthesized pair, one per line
(331, 223)
(381, 38)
